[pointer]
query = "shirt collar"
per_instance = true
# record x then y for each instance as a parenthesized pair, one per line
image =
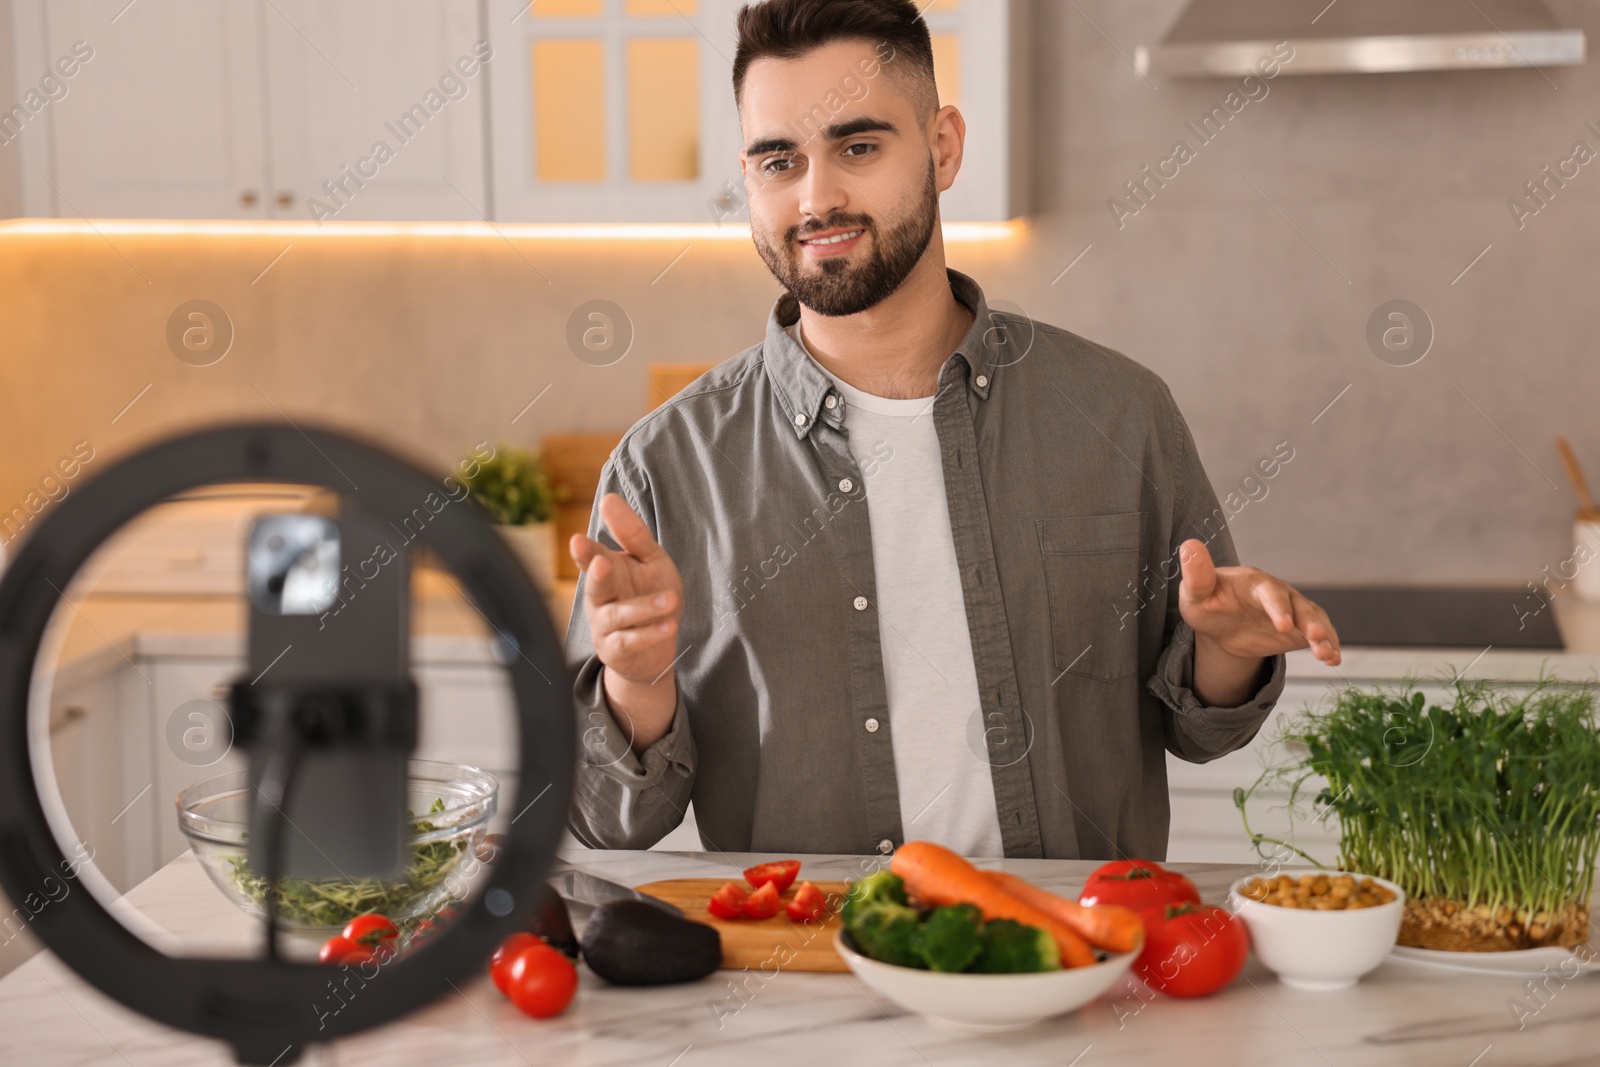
(802, 385)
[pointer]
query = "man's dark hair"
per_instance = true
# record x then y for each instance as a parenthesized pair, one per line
(789, 29)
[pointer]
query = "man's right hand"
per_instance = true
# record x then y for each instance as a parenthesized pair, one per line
(634, 602)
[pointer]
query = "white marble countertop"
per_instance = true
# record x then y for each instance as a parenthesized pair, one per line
(1401, 1014)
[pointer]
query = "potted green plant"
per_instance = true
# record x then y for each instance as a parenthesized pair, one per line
(512, 486)
(1484, 808)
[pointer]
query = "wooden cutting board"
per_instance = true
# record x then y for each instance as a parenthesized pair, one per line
(772, 944)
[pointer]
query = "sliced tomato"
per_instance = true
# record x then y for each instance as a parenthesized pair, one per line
(500, 962)
(808, 904)
(371, 928)
(781, 873)
(728, 902)
(763, 903)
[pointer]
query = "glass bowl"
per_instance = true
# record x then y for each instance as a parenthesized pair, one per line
(450, 806)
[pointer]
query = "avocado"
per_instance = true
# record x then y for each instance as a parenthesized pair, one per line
(629, 942)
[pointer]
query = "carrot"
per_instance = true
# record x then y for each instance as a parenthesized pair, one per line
(1107, 926)
(937, 877)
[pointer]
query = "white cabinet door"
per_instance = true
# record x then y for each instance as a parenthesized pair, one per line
(622, 110)
(569, 81)
(100, 751)
(164, 121)
(188, 734)
(377, 109)
(1206, 826)
(467, 716)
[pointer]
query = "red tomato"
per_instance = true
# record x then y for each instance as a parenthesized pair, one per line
(1191, 949)
(728, 902)
(763, 903)
(371, 928)
(1137, 884)
(780, 873)
(500, 962)
(540, 980)
(341, 949)
(808, 903)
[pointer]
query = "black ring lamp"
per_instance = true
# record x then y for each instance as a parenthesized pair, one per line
(263, 1008)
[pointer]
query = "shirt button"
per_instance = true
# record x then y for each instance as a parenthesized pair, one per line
(861, 603)
(872, 726)
(800, 419)
(846, 485)
(886, 846)
(831, 402)
(983, 381)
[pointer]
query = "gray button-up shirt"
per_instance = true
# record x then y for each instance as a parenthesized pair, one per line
(1071, 479)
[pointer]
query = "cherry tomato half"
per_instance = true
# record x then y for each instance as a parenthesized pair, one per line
(728, 902)
(763, 903)
(808, 904)
(781, 873)
(541, 981)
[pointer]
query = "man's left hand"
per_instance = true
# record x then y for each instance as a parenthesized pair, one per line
(1247, 613)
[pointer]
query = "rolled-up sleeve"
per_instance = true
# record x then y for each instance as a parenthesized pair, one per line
(1200, 732)
(1196, 731)
(622, 799)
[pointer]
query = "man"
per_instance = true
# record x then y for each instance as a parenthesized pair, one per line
(909, 568)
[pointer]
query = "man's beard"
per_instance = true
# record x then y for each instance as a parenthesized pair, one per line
(837, 287)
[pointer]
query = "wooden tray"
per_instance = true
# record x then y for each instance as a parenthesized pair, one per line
(771, 944)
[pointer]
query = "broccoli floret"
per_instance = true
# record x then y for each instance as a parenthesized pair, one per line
(888, 933)
(950, 938)
(878, 887)
(1010, 947)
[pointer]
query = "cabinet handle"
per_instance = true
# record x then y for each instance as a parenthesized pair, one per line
(248, 198)
(66, 716)
(285, 198)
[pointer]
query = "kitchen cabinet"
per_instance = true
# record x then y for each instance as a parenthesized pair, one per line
(165, 119)
(134, 725)
(131, 726)
(561, 111)
(622, 110)
(261, 109)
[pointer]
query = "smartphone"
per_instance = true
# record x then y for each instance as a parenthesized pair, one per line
(329, 596)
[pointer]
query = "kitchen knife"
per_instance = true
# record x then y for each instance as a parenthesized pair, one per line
(585, 888)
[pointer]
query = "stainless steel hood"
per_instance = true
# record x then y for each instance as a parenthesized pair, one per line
(1231, 37)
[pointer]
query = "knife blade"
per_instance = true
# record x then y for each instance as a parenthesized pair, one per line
(585, 888)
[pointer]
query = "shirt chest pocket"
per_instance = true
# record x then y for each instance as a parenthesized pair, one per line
(1091, 571)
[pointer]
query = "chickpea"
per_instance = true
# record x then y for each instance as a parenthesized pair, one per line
(1318, 892)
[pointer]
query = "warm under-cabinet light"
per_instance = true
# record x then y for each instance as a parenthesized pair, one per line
(953, 231)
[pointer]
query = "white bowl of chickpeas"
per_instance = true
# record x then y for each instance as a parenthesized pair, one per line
(1319, 930)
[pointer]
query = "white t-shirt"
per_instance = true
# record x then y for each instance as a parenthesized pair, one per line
(935, 721)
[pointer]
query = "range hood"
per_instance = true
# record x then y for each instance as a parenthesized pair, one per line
(1230, 37)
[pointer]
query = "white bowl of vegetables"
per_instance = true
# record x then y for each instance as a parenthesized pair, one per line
(966, 964)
